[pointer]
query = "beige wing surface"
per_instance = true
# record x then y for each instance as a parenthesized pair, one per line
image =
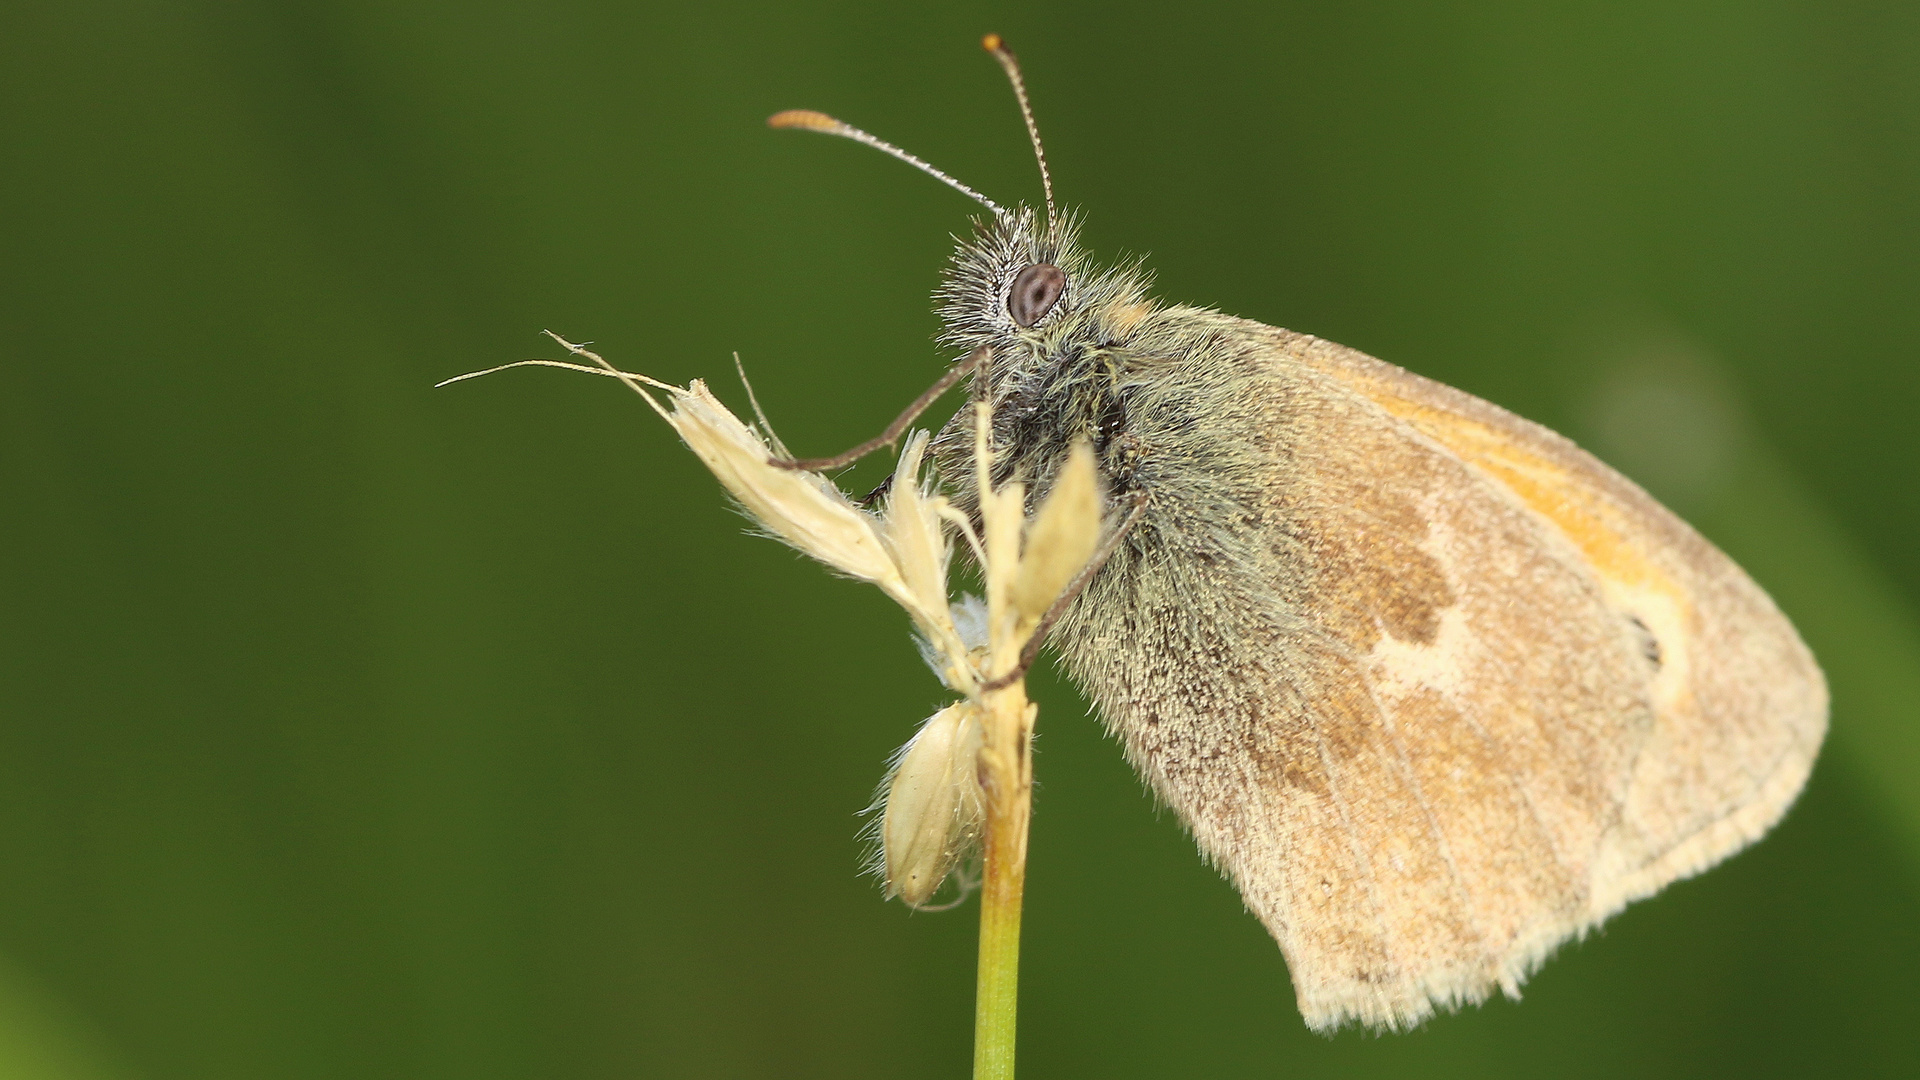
(1522, 695)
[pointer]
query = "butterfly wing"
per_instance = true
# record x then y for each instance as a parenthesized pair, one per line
(1449, 692)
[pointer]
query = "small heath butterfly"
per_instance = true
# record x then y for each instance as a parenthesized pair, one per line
(1434, 687)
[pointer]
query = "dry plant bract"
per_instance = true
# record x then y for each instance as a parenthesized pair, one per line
(936, 798)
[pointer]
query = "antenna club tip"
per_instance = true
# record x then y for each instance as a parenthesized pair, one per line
(806, 119)
(993, 43)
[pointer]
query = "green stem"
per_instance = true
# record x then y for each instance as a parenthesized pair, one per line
(1009, 808)
(996, 1007)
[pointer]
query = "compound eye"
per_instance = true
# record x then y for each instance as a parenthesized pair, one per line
(1035, 290)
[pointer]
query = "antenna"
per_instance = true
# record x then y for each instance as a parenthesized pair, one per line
(994, 44)
(808, 120)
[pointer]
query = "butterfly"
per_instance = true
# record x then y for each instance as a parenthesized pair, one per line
(1436, 689)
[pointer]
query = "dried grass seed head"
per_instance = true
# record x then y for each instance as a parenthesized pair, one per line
(934, 805)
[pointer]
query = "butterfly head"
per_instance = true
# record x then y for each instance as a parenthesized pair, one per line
(1024, 286)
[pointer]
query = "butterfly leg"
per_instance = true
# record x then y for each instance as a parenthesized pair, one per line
(1107, 547)
(866, 501)
(899, 426)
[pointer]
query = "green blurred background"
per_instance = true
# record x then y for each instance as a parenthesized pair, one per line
(350, 727)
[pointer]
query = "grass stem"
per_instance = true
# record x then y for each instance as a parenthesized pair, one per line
(1007, 765)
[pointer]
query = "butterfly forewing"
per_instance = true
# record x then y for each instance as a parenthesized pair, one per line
(1434, 687)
